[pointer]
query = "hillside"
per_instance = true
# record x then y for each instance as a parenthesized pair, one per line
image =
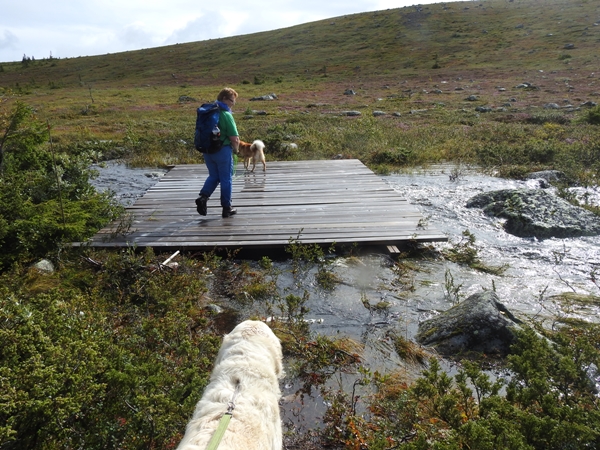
(433, 66)
(494, 36)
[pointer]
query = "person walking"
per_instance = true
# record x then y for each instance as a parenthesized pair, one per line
(220, 164)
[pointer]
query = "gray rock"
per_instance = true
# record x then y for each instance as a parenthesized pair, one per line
(186, 99)
(213, 308)
(536, 213)
(479, 324)
(379, 113)
(349, 92)
(548, 175)
(483, 109)
(569, 46)
(288, 146)
(472, 98)
(350, 113)
(264, 97)
(44, 266)
(589, 104)
(551, 106)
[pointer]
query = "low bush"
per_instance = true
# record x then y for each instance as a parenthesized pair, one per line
(45, 196)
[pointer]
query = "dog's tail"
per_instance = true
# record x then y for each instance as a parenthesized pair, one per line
(257, 144)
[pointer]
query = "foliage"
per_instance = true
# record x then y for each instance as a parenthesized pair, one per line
(592, 115)
(113, 350)
(549, 402)
(109, 356)
(45, 198)
(465, 252)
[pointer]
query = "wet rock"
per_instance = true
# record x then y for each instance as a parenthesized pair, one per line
(479, 324)
(154, 174)
(214, 308)
(536, 213)
(547, 175)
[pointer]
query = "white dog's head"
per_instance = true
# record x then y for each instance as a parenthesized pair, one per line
(248, 337)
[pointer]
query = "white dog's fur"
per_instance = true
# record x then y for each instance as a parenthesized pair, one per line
(251, 357)
(254, 153)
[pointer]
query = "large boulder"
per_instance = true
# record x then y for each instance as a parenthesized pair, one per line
(536, 213)
(479, 324)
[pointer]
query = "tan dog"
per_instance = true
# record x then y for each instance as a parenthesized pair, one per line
(252, 152)
(246, 373)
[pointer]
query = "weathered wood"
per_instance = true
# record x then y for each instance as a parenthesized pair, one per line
(320, 202)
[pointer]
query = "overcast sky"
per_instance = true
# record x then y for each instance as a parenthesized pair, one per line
(69, 28)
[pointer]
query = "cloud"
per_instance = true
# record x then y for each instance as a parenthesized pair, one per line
(209, 25)
(136, 36)
(9, 40)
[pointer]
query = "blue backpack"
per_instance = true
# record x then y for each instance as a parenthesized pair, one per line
(207, 138)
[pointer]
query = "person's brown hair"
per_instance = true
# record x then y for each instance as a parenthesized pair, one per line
(227, 93)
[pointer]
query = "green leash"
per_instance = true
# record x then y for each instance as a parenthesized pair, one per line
(235, 161)
(215, 440)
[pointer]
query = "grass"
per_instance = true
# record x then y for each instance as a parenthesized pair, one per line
(386, 57)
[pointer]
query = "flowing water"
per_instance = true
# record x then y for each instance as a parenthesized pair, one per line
(375, 298)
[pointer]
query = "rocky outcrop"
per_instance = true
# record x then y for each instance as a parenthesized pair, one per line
(478, 324)
(536, 213)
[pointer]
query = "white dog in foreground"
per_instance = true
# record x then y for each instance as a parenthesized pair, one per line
(246, 376)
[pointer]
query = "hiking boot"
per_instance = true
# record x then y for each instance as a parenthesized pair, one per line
(228, 212)
(201, 205)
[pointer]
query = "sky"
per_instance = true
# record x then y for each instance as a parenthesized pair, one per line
(67, 28)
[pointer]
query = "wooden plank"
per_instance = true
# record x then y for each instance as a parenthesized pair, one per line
(314, 201)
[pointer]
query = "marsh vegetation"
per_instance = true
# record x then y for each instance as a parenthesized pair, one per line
(111, 349)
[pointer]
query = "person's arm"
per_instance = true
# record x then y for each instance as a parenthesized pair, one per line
(235, 143)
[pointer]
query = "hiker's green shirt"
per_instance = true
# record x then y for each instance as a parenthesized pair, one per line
(227, 126)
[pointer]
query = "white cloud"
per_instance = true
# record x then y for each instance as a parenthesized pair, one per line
(8, 41)
(209, 25)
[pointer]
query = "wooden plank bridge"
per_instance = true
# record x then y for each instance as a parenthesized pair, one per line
(320, 202)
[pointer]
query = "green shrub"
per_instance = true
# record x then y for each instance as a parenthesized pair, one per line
(592, 115)
(45, 196)
(79, 370)
(549, 402)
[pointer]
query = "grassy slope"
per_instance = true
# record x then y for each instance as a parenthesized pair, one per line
(490, 35)
(389, 55)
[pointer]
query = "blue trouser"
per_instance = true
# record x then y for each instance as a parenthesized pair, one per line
(220, 170)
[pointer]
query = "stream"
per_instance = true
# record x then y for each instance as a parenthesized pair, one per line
(536, 271)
